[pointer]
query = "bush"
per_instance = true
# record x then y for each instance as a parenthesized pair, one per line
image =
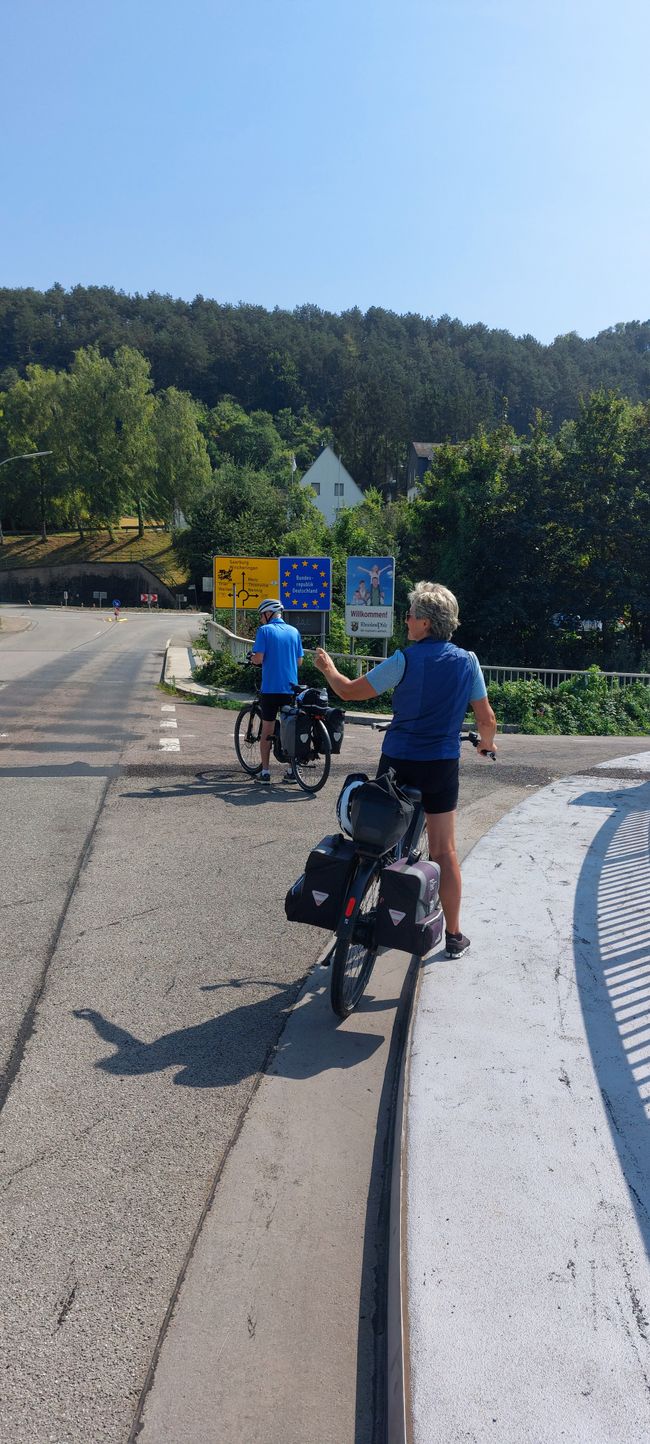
(585, 706)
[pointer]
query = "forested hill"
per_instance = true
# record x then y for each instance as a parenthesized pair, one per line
(377, 379)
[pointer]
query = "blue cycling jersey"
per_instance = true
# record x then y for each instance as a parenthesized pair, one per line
(281, 647)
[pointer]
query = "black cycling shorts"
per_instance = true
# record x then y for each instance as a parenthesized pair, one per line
(271, 702)
(437, 780)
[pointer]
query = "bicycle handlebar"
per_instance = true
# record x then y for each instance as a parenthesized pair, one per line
(472, 737)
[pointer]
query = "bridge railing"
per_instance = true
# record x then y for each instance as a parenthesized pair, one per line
(221, 639)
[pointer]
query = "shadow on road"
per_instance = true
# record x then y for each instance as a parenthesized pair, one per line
(239, 792)
(232, 1046)
(612, 963)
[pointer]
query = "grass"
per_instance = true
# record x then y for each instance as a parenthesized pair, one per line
(154, 549)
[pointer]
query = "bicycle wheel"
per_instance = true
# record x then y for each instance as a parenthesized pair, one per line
(248, 730)
(354, 956)
(313, 771)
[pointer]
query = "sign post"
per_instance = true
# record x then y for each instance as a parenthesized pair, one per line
(243, 582)
(369, 597)
(306, 588)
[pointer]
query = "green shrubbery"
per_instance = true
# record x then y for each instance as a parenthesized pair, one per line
(221, 670)
(584, 705)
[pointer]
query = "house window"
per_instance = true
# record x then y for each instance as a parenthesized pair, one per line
(315, 486)
(339, 488)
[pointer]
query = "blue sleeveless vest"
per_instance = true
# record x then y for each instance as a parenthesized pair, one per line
(430, 702)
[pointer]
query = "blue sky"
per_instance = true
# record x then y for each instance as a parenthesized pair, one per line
(487, 159)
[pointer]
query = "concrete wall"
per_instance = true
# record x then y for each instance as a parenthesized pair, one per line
(125, 580)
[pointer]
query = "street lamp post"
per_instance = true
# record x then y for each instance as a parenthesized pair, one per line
(24, 456)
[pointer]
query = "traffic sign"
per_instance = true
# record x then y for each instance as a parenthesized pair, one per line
(306, 584)
(369, 596)
(253, 579)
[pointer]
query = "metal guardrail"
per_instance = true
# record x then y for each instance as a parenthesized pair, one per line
(221, 639)
(551, 677)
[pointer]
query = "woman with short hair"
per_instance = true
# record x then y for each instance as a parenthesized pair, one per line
(434, 682)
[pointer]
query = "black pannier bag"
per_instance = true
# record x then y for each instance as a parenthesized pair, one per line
(295, 732)
(318, 895)
(409, 915)
(379, 814)
(335, 724)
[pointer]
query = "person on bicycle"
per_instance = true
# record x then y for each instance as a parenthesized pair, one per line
(434, 682)
(278, 650)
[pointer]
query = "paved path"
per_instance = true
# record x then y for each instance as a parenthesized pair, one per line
(143, 1115)
(526, 1136)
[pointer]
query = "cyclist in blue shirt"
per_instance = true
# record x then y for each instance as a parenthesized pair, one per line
(434, 682)
(278, 650)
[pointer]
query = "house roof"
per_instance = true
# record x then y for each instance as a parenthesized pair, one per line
(327, 460)
(426, 448)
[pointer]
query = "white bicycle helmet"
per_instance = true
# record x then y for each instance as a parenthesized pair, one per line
(270, 605)
(352, 781)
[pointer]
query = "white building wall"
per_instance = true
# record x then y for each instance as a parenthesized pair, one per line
(333, 485)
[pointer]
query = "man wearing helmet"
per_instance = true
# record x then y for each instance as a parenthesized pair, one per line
(278, 650)
(434, 682)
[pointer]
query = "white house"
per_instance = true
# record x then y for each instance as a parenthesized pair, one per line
(332, 484)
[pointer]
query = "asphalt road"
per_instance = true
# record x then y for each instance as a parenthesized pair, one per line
(147, 972)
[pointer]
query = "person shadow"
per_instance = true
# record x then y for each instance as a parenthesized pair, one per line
(234, 1045)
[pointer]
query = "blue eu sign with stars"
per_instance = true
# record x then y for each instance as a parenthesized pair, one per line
(306, 584)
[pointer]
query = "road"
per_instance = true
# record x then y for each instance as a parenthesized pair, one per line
(147, 973)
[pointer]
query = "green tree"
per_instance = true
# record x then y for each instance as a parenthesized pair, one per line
(134, 422)
(30, 422)
(93, 427)
(182, 468)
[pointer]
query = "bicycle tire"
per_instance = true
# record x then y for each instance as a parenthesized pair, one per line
(353, 960)
(312, 773)
(248, 730)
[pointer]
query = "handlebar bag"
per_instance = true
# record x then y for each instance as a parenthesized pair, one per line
(335, 724)
(379, 814)
(409, 916)
(317, 897)
(295, 732)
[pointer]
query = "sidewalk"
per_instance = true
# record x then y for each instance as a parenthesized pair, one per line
(521, 1210)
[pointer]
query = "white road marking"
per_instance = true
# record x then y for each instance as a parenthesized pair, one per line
(168, 744)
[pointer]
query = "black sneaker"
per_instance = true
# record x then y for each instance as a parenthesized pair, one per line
(456, 944)
(264, 776)
(289, 776)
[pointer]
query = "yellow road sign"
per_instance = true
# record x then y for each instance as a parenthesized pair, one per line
(253, 578)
